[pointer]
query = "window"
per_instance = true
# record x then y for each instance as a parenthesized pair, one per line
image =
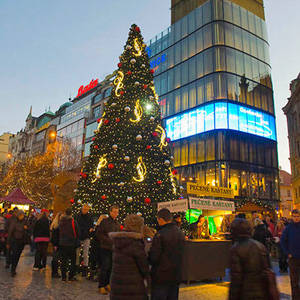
(98, 98)
(289, 193)
(74, 127)
(97, 111)
(107, 92)
(81, 124)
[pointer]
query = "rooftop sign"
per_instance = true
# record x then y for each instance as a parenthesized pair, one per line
(83, 89)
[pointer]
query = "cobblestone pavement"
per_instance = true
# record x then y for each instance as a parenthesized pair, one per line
(38, 285)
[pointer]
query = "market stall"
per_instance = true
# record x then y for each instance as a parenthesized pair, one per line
(17, 199)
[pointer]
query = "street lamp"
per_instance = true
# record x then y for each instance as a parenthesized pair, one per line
(9, 156)
(52, 134)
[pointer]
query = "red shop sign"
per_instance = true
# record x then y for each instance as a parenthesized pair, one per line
(83, 89)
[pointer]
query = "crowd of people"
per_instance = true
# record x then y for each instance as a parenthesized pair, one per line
(129, 262)
(133, 260)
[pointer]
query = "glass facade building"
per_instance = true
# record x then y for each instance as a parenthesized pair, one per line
(213, 78)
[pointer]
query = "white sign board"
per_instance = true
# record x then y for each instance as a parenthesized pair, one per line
(209, 204)
(174, 206)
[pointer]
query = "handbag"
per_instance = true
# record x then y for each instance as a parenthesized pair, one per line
(77, 241)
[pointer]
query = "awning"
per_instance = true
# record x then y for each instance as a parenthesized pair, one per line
(17, 197)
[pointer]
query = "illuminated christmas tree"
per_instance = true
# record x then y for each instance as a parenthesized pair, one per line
(130, 163)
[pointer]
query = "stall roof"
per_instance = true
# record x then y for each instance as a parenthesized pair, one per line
(16, 197)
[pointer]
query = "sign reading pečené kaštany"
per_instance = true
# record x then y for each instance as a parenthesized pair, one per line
(209, 204)
(174, 206)
(207, 190)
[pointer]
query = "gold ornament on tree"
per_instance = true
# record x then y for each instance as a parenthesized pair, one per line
(163, 142)
(141, 170)
(137, 48)
(138, 112)
(118, 82)
(102, 163)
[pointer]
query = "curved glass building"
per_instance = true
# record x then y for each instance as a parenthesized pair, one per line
(213, 78)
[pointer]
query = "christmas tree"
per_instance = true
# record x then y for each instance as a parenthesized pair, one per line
(130, 164)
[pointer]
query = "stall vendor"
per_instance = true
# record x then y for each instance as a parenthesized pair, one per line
(199, 229)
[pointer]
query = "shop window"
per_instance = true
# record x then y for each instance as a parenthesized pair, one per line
(253, 185)
(244, 183)
(200, 174)
(211, 174)
(192, 152)
(234, 181)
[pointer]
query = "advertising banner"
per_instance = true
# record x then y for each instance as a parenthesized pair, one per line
(207, 190)
(209, 204)
(174, 206)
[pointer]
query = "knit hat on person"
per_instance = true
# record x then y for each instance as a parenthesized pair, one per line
(134, 223)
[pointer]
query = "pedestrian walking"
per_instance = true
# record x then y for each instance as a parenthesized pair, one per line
(290, 244)
(249, 266)
(68, 231)
(10, 217)
(31, 222)
(130, 266)
(2, 239)
(107, 226)
(54, 233)
(16, 239)
(165, 258)
(41, 235)
(283, 265)
(86, 225)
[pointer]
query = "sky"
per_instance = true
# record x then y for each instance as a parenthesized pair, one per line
(50, 48)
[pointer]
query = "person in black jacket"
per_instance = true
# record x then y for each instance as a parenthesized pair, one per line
(68, 232)
(248, 261)
(86, 225)
(261, 233)
(106, 226)
(16, 239)
(130, 266)
(9, 220)
(41, 234)
(54, 230)
(165, 258)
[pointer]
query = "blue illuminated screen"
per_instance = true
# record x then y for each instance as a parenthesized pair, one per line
(221, 115)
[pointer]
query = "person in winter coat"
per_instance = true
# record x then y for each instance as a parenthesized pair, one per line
(165, 258)
(290, 244)
(261, 233)
(107, 225)
(95, 251)
(130, 266)
(10, 217)
(282, 257)
(54, 230)
(2, 225)
(41, 235)
(86, 225)
(16, 240)
(248, 261)
(68, 232)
